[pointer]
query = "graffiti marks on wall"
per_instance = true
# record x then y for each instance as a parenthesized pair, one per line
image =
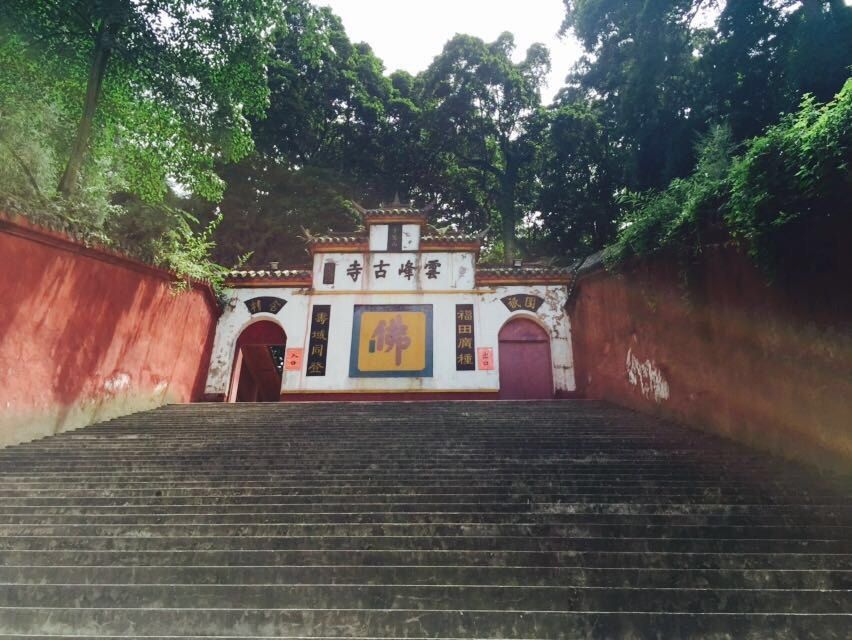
(647, 377)
(117, 382)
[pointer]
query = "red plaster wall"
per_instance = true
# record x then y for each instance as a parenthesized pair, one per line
(86, 335)
(770, 366)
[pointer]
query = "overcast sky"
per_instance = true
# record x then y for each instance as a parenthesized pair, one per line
(408, 34)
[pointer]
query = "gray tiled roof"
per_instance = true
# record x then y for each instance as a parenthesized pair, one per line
(396, 210)
(524, 271)
(358, 237)
(351, 238)
(450, 238)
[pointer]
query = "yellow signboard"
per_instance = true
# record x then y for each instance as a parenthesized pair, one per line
(391, 341)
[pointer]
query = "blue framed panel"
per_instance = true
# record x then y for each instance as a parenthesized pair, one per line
(391, 341)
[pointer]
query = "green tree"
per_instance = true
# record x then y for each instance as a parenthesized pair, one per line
(661, 76)
(31, 114)
(330, 135)
(581, 171)
(640, 66)
(763, 57)
(790, 190)
(784, 199)
(170, 82)
(819, 56)
(482, 125)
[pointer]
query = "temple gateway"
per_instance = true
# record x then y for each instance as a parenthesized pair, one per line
(397, 311)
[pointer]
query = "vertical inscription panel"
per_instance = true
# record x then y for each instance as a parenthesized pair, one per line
(395, 237)
(465, 340)
(318, 344)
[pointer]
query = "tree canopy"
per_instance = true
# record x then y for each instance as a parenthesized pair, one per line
(191, 129)
(326, 139)
(481, 128)
(166, 83)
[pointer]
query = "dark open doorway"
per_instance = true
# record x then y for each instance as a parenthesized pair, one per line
(258, 363)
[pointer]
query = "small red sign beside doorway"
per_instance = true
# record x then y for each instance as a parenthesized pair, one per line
(485, 358)
(293, 359)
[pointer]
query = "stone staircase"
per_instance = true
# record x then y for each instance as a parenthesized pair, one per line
(417, 520)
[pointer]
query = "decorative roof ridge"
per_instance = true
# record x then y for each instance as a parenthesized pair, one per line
(354, 237)
(395, 209)
(344, 237)
(293, 273)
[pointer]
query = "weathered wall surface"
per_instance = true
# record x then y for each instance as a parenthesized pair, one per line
(719, 349)
(86, 335)
(489, 316)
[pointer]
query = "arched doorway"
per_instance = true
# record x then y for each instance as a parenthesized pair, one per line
(258, 363)
(526, 372)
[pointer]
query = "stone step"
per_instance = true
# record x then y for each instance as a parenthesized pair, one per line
(383, 485)
(436, 482)
(735, 560)
(545, 530)
(448, 496)
(546, 507)
(578, 576)
(370, 478)
(587, 460)
(415, 623)
(463, 520)
(425, 543)
(519, 492)
(352, 512)
(620, 441)
(753, 520)
(358, 595)
(412, 462)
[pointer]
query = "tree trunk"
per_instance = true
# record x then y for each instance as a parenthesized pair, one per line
(508, 217)
(25, 169)
(100, 58)
(508, 232)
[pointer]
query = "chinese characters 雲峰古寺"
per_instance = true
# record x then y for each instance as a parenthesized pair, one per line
(432, 267)
(354, 270)
(407, 270)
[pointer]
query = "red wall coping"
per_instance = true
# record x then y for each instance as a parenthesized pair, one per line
(18, 225)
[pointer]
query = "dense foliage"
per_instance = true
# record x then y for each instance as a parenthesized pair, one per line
(784, 188)
(105, 102)
(329, 136)
(189, 129)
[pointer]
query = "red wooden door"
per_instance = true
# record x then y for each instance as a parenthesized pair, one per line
(525, 369)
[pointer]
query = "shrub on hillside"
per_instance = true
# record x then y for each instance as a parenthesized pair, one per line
(794, 179)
